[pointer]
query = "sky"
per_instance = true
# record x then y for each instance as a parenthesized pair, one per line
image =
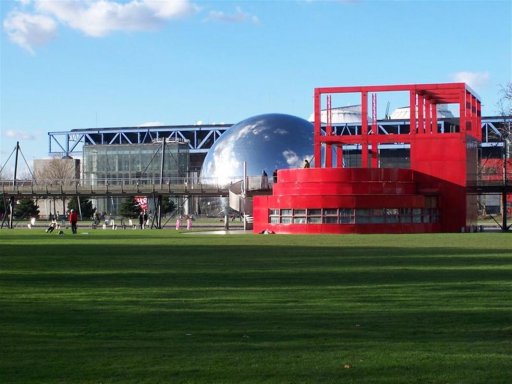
(67, 64)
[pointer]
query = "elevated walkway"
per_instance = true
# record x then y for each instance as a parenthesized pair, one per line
(130, 187)
(29, 189)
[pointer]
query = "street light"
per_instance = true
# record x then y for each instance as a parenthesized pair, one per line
(506, 156)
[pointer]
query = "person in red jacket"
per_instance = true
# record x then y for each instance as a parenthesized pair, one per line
(73, 218)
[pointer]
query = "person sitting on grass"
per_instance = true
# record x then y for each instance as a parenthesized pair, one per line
(52, 226)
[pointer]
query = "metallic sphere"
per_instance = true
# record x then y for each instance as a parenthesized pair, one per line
(265, 142)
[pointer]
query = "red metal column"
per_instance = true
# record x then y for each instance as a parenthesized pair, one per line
(428, 116)
(435, 129)
(475, 121)
(474, 114)
(328, 132)
(412, 111)
(478, 123)
(375, 131)
(462, 111)
(470, 113)
(421, 106)
(317, 145)
(364, 129)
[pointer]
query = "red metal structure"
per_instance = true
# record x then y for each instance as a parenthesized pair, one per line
(429, 196)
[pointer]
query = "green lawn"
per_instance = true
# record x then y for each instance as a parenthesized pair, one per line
(166, 307)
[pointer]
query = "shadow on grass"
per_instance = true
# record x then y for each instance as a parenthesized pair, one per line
(249, 313)
(196, 266)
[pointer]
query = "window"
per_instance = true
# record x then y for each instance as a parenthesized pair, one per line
(405, 215)
(314, 216)
(346, 216)
(392, 216)
(377, 216)
(362, 216)
(353, 216)
(416, 215)
(273, 216)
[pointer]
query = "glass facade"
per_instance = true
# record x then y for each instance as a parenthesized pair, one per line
(135, 163)
(124, 164)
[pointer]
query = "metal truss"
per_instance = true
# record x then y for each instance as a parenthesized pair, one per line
(492, 127)
(200, 138)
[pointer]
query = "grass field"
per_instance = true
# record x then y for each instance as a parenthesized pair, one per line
(167, 307)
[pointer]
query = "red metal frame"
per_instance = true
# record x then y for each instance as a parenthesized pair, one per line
(423, 101)
(442, 164)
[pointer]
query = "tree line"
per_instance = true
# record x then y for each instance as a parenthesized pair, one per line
(129, 208)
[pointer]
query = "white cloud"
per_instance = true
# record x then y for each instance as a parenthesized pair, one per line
(473, 79)
(28, 30)
(19, 135)
(238, 16)
(37, 23)
(99, 18)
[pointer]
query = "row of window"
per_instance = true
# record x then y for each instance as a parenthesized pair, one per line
(354, 216)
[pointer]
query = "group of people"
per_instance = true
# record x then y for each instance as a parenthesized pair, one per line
(73, 221)
(188, 219)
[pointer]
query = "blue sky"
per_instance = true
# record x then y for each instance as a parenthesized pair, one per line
(68, 64)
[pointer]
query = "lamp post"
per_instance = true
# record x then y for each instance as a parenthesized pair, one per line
(506, 146)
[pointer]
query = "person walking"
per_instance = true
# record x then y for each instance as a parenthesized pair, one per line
(141, 219)
(73, 219)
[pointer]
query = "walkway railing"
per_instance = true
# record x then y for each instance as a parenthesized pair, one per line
(172, 186)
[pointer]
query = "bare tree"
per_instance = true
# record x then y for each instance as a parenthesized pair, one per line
(505, 110)
(55, 171)
(506, 98)
(493, 166)
(5, 174)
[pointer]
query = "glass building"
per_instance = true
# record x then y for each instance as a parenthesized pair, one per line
(122, 164)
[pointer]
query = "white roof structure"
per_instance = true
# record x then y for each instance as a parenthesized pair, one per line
(403, 113)
(351, 114)
(341, 115)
